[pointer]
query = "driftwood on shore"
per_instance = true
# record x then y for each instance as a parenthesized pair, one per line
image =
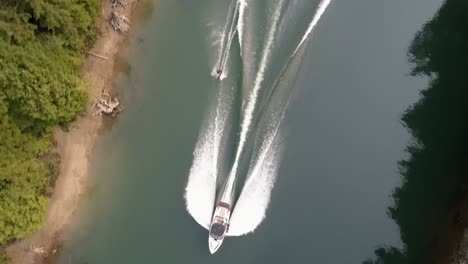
(38, 250)
(119, 23)
(107, 105)
(117, 3)
(97, 55)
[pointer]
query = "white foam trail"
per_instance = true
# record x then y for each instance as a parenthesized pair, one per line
(232, 33)
(250, 208)
(201, 187)
(320, 10)
(240, 21)
(221, 62)
(223, 35)
(249, 109)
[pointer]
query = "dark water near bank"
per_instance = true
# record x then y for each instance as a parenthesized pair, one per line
(343, 139)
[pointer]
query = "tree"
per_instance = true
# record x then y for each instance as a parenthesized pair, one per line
(433, 174)
(41, 50)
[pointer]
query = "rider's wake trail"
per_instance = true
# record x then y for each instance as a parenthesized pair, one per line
(229, 32)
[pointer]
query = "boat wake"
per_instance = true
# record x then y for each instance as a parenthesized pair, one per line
(229, 31)
(256, 140)
(240, 23)
(201, 186)
(318, 14)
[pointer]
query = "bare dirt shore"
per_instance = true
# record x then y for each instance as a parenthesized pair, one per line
(75, 148)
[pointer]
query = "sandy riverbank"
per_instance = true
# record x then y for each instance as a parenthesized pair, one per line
(75, 148)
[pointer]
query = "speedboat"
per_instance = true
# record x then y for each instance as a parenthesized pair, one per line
(219, 226)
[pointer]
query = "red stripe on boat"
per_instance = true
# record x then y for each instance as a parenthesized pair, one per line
(225, 205)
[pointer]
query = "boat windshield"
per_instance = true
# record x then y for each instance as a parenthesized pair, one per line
(217, 230)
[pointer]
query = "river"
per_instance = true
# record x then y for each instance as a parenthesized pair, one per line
(337, 151)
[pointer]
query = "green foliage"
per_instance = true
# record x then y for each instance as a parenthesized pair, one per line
(23, 179)
(3, 257)
(71, 20)
(14, 27)
(41, 87)
(41, 46)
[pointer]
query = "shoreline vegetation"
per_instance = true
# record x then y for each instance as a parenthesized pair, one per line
(55, 58)
(40, 52)
(431, 205)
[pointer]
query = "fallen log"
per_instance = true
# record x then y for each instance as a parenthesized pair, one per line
(97, 55)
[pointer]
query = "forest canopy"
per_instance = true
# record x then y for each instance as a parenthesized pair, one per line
(434, 174)
(41, 50)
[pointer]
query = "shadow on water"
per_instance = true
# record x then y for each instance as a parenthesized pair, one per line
(427, 206)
